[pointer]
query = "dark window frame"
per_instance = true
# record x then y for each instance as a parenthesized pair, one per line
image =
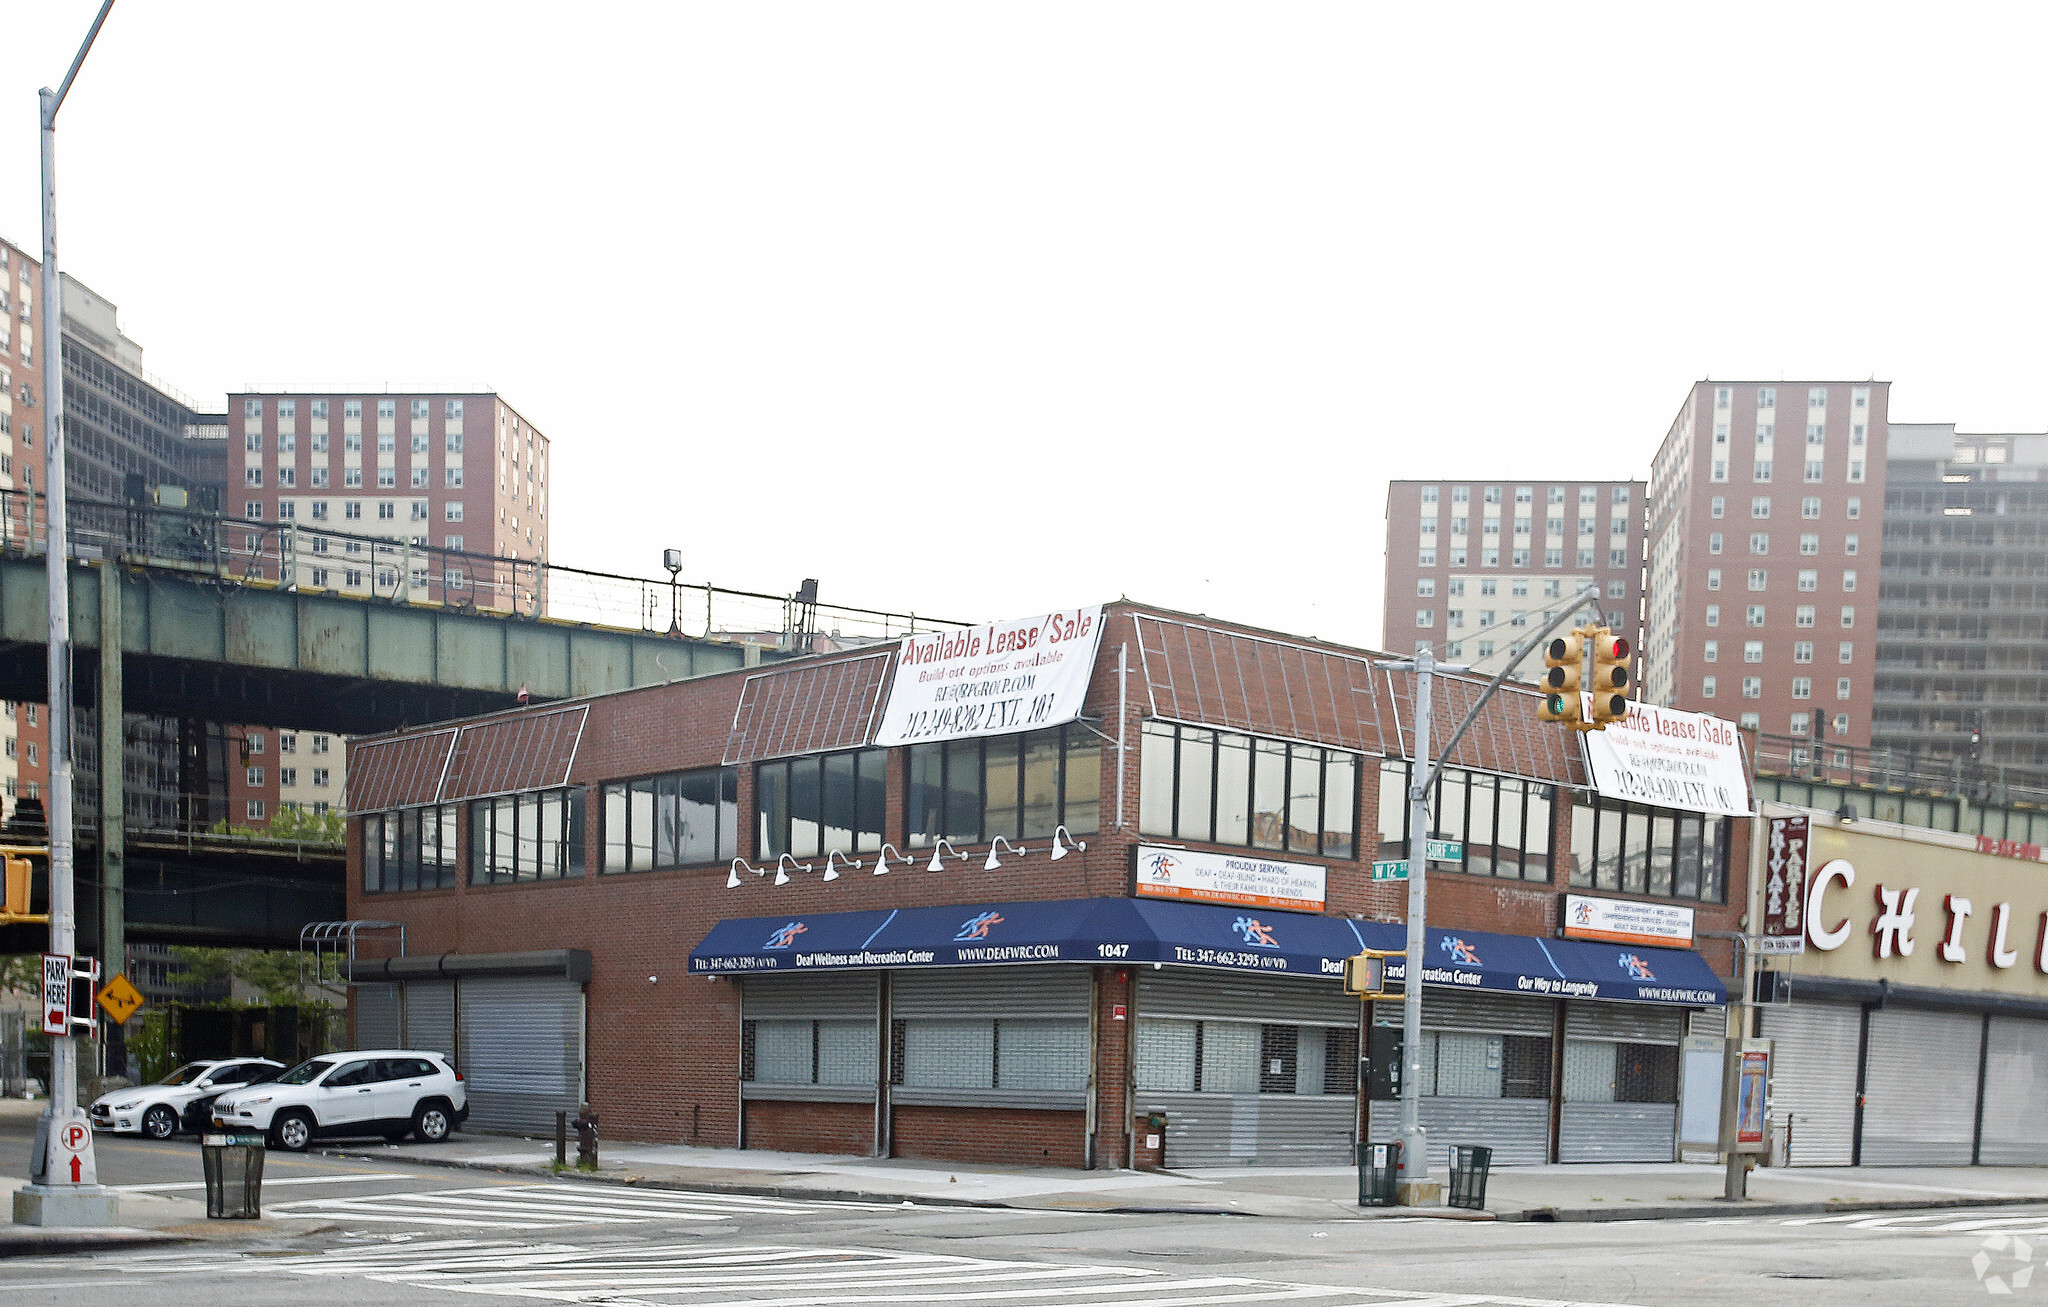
(485, 835)
(773, 843)
(1320, 840)
(725, 842)
(1075, 741)
(1465, 782)
(395, 853)
(1697, 854)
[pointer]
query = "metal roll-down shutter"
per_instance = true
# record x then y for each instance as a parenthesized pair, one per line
(522, 1050)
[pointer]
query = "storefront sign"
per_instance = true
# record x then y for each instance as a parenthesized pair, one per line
(1924, 909)
(999, 679)
(1785, 886)
(1229, 878)
(1625, 921)
(1670, 759)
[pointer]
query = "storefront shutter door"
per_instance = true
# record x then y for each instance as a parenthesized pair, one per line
(1813, 1079)
(377, 1024)
(522, 1050)
(1920, 1088)
(1187, 992)
(2015, 1091)
(823, 997)
(430, 1016)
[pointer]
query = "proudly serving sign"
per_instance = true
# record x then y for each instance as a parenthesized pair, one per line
(992, 680)
(1228, 878)
(1670, 759)
(1625, 921)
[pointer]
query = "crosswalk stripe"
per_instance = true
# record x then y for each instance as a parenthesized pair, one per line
(674, 1274)
(529, 1207)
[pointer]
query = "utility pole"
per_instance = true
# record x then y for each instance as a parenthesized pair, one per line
(63, 1186)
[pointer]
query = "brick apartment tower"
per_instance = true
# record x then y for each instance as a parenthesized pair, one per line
(454, 472)
(1476, 567)
(1766, 521)
(22, 333)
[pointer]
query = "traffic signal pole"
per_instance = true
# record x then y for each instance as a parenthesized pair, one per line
(1415, 1188)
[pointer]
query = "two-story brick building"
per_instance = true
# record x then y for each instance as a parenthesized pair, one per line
(1001, 892)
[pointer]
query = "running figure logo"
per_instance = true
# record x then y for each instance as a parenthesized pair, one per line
(977, 928)
(1584, 913)
(1255, 932)
(786, 937)
(1460, 951)
(1637, 968)
(1162, 866)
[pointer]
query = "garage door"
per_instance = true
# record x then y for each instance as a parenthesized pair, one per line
(430, 1016)
(2015, 1092)
(522, 1050)
(1248, 1070)
(377, 1020)
(1813, 1079)
(1920, 1088)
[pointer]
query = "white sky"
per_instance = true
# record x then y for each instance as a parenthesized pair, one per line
(981, 310)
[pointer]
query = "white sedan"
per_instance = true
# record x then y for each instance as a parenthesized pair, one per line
(158, 1110)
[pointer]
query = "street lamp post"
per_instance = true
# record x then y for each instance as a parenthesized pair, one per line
(63, 1186)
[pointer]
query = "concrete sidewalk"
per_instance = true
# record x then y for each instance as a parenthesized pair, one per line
(1591, 1192)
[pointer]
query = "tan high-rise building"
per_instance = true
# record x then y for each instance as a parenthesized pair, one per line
(1475, 567)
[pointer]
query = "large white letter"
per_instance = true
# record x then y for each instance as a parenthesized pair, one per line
(2001, 956)
(1952, 946)
(1819, 936)
(1894, 925)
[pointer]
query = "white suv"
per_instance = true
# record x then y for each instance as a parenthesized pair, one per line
(392, 1092)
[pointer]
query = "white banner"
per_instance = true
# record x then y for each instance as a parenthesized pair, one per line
(992, 680)
(1229, 878)
(1670, 759)
(1625, 921)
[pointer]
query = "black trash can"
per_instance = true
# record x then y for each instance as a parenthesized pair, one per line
(1469, 1166)
(1379, 1166)
(234, 1176)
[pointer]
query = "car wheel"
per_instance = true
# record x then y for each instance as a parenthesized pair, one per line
(294, 1130)
(430, 1122)
(159, 1122)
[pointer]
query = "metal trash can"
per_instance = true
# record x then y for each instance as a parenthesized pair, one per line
(234, 1176)
(1379, 1166)
(1469, 1167)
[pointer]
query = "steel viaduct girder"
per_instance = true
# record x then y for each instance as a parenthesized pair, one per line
(194, 645)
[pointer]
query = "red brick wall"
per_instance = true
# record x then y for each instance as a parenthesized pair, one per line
(663, 1053)
(990, 1134)
(811, 1127)
(1114, 1070)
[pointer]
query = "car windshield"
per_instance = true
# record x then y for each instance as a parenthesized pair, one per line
(304, 1073)
(186, 1074)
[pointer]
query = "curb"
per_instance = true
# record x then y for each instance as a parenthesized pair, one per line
(83, 1241)
(1723, 1207)
(791, 1192)
(1533, 1215)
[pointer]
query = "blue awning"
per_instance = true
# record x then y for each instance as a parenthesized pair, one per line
(1123, 930)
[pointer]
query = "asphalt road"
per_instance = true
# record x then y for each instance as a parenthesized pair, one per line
(407, 1234)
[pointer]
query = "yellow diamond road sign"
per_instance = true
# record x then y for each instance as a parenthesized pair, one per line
(120, 999)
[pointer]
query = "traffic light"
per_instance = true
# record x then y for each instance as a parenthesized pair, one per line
(19, 874)
(1611, 654)
(1562, 657)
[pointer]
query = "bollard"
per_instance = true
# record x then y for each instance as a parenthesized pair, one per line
(561, 1139)
(586, 1139)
